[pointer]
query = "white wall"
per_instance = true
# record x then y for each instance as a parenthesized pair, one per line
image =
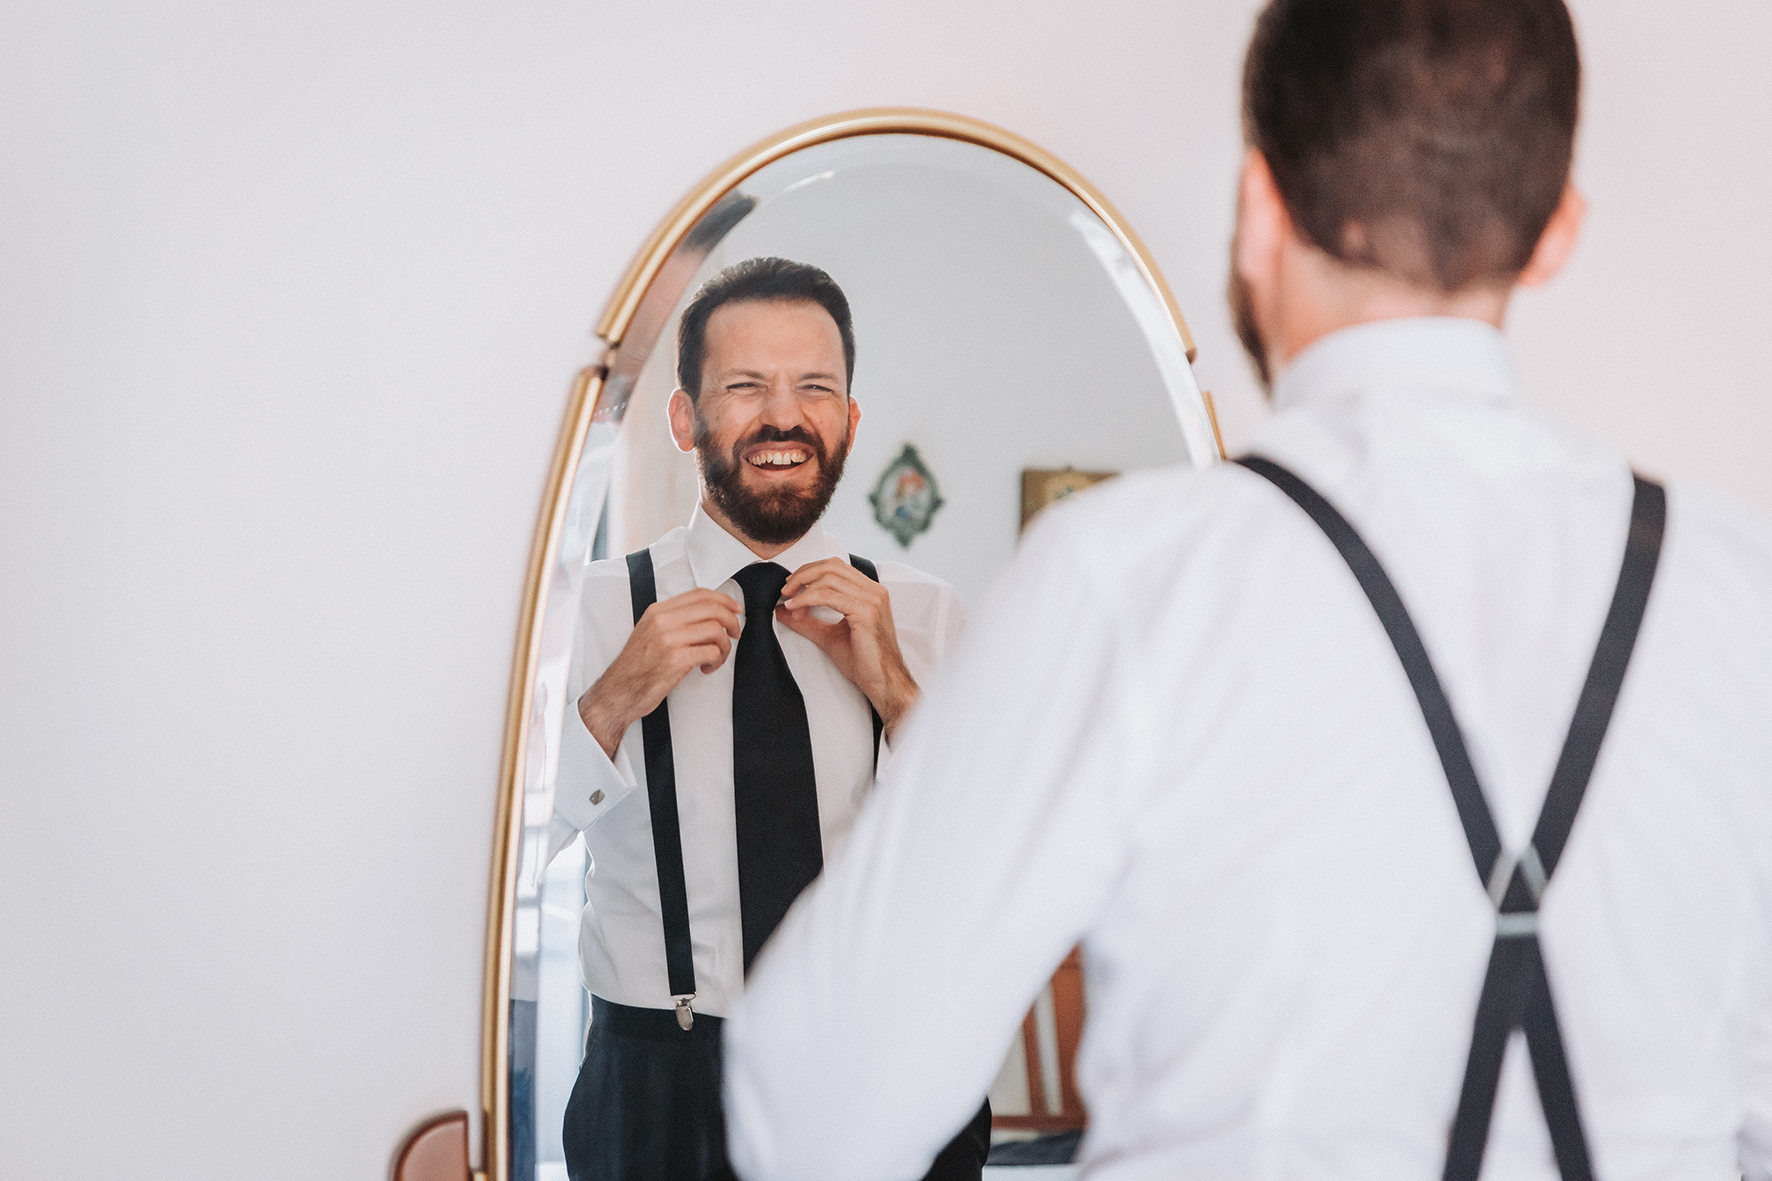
(1656, 338)
(291, 294)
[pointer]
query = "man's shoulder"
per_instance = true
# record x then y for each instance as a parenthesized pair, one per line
(1728, 543)
(1722, 516)
(915, 593)
(898, 572)
(607, 570)
(610, 575)
(1122, 518)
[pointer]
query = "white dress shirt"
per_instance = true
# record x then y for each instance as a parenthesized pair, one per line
(1178, 733)
(621, 937)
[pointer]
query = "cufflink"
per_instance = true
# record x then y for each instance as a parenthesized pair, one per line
(597, 796)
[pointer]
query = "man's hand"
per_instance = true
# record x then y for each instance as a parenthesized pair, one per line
(863, 644)
(692, 630)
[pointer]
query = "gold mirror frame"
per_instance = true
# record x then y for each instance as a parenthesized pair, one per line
(584, 405)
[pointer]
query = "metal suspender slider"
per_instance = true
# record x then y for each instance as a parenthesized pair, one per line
(1529, 869)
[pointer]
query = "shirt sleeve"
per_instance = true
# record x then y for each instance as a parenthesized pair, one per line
(589, 783)
(877, 1017)
(951, 623)
(947, 623)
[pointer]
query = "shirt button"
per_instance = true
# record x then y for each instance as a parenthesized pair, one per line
(597, 797)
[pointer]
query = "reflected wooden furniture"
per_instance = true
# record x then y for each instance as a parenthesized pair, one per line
(1044, 487)
(1067, 1012)
(437, 1150)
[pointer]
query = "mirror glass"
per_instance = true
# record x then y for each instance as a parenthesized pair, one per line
(1009, 351)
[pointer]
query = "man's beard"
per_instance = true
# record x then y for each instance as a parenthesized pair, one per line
(1248, 331)
(777, 517)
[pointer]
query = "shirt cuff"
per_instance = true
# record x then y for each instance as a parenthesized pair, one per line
(590, 782)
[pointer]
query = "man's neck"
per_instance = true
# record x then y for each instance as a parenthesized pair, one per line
(765, 552)
(1319, 295)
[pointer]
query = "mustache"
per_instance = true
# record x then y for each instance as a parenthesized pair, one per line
(771, 434)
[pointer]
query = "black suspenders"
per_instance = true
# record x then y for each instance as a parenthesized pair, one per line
(661, 797)
(1516, 991)
(667, 834)
(869, 569)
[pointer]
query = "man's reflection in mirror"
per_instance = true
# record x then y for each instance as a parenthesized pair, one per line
(737, 684)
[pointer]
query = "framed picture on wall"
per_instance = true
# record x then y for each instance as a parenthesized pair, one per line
(1041, 487)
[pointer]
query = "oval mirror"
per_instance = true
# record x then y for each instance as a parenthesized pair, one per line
(1012, 343)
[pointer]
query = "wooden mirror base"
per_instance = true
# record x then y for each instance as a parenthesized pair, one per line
(437, 1150)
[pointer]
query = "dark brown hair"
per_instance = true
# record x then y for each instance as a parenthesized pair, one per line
(774, 279)
(1429, 139)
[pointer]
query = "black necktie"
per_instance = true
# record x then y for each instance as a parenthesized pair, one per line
(779, 850)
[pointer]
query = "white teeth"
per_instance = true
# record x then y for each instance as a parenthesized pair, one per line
(777, 458)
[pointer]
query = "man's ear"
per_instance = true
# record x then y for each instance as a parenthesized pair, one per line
(854, 421)
(682, 414)
(1557, 242)
(1262, 224)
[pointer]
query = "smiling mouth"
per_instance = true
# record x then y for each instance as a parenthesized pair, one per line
(779, 459)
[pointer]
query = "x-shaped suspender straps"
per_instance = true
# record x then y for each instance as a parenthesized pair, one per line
(1516, 990)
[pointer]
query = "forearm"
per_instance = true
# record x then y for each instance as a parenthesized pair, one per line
(607, 713)
(897, 697)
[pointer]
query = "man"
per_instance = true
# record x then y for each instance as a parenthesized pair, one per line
(736, 684)
(1301, 821)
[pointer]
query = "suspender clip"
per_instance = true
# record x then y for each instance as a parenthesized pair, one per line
(685, 1015)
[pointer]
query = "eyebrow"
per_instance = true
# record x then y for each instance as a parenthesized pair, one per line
(817, 375)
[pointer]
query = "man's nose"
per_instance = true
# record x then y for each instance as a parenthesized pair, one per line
(781, 408)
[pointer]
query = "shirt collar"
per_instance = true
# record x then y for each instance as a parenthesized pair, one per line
(716, 555)
(1427, 355)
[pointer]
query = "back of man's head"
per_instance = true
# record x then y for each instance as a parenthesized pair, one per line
(1429, 139)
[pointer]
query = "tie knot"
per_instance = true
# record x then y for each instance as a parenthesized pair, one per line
(761, 583)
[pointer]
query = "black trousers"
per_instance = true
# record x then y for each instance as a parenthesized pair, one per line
(646, 1106)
